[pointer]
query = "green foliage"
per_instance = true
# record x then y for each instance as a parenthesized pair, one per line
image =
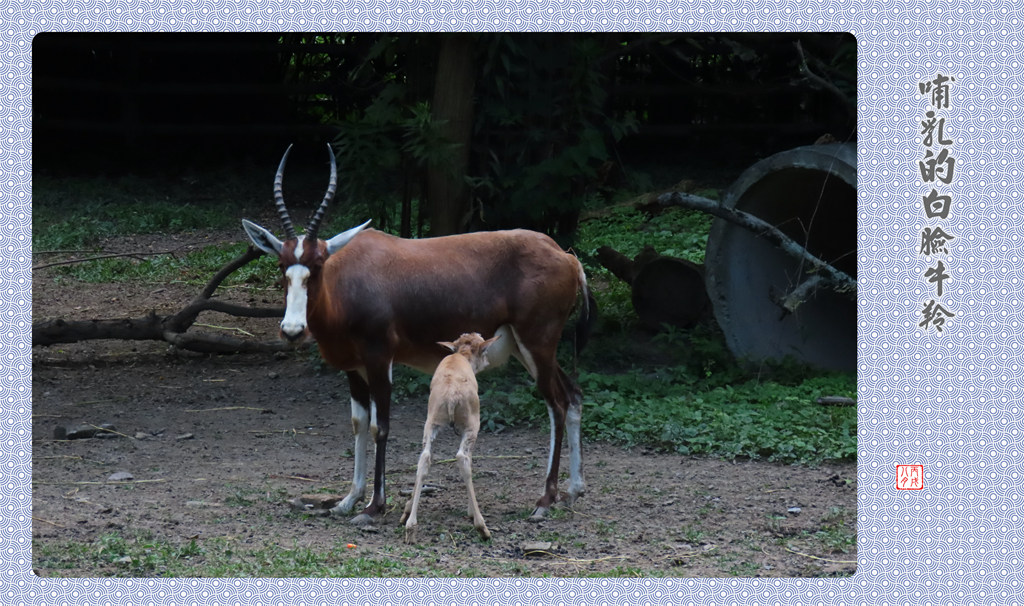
(385, 144)
(673, 411)
(544, 127)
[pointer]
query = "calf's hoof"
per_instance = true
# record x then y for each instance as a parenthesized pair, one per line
(570, 497)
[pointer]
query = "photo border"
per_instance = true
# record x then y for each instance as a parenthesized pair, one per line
(948, 400)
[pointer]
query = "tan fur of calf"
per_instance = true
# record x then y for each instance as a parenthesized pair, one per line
(454, 399)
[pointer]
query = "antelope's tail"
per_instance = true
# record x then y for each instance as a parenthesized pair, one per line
(588, 312)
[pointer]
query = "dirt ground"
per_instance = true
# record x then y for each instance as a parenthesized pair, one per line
(216, 445)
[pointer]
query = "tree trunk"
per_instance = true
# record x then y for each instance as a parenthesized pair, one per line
(453, 109)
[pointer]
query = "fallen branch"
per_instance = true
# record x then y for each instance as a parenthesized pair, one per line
(171, 328)
(800, 294)
(100, 257)
(807, 555)
(261, 410)
(837, 280)
(836, 401)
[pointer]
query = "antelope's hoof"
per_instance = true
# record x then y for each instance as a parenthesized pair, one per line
(362, 519)
(539, 514)
(484, 533)
(410, 534)
(344, 507)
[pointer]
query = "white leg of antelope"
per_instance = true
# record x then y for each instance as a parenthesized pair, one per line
(422, 468)
(577, 484)
(465, 462)
(360, 431)
(542, 512)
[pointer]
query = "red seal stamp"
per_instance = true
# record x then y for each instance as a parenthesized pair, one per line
(909, 477)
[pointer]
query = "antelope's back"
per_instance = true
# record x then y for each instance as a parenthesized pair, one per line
(468, 274)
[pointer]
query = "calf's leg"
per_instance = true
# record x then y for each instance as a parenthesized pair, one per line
(464, 459)
(422, 468)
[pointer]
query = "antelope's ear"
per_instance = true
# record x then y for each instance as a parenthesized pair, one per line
(447, 345)
(340, 240)
(489, 342)
(263, 239)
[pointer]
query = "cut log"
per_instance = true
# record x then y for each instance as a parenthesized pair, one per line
(670, 291)
(665, 290)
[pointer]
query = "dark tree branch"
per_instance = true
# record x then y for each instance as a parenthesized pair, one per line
(848, 104)
(838, 280)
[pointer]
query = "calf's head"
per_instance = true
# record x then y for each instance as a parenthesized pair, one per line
(473, 347)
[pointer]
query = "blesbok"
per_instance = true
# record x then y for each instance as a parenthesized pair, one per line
(372, 300)
(454, 399)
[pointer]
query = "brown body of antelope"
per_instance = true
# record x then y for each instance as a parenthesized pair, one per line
(372, 300)
(454, 400)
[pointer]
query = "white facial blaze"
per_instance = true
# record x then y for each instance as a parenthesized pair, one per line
(294, 323)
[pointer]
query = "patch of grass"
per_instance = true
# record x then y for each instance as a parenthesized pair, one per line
(675, 232)
(744, 569)
(137, 555)
(102, 208)
(142, 555)
(692, 534)
(196, 267)
(838, 531)
(670, 410)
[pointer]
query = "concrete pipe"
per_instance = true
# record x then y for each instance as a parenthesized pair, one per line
(810, 194)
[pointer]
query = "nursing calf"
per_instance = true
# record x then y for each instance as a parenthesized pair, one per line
(453, 400)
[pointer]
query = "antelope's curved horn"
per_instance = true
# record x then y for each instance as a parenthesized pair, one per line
(332, 186)
(289, 229)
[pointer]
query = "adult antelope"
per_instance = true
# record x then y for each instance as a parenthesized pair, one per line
(372, 300)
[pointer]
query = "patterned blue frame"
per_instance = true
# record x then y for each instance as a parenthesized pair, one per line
(950, 401)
